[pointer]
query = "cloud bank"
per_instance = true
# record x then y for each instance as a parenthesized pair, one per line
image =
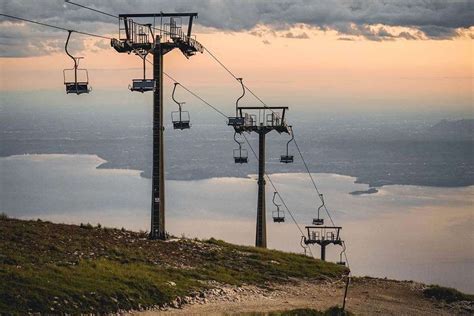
(367, 19)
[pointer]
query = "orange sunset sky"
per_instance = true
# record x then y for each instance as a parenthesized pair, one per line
(311, 65)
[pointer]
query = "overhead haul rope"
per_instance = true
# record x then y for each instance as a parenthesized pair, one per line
(53, 26)
(113, 15)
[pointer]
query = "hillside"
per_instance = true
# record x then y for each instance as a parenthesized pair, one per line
(55, 268)
(458, 129)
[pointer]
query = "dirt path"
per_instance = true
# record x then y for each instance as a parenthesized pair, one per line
(367, 296)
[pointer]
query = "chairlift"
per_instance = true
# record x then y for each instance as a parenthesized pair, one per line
(319, 221)
(240, 155)
(142, 85)
(278, 215)
(342, 262)
(288, 158)
(76, 80)
(179, 118)
(237, 120)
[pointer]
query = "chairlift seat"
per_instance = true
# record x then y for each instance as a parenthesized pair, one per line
(180, 120)
(142, 85)
(278, 217)
(181, 125)
(286, 159)
(77, 88)
(341, 263)
(318, 221)
(236, 121)
(241, 160)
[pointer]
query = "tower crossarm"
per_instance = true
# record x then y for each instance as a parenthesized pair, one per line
(138, 36)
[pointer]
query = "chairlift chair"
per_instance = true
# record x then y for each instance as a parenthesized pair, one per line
(288, 158)
(319, 221)
(240, 155)
(76, 80)
(179, 118)
(142, 85)
(237, 120)
(278, 215)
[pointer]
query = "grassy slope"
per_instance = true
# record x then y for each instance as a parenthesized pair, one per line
(47, 267)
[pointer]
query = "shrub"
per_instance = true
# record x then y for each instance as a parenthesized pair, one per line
(86, 226)
(446, 294)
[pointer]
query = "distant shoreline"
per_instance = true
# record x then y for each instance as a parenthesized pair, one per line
(368, 191)
(359, 179)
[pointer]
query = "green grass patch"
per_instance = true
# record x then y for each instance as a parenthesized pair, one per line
(56, 268)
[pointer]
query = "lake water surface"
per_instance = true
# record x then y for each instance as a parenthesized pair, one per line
(402, 232)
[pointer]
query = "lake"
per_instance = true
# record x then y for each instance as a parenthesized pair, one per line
(403, 231)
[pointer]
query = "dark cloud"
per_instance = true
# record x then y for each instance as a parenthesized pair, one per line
(440, 32)
(428, 19)
(409, 36)
(346, 39)
(296, 36)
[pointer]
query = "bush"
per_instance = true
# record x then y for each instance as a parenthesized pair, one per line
(446, 294)
(86, 226)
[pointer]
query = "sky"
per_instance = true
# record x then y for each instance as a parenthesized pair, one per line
(359, 55)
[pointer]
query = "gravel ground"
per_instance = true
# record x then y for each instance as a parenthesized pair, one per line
(367, 296)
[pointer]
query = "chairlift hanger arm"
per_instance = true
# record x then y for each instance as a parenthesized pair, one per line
(67, 52)
(235, 139)
(290, 130)
(322, 205)
(172, 96)
(243, 94)
(273, 200)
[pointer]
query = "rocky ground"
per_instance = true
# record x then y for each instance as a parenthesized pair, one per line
(366, 296)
